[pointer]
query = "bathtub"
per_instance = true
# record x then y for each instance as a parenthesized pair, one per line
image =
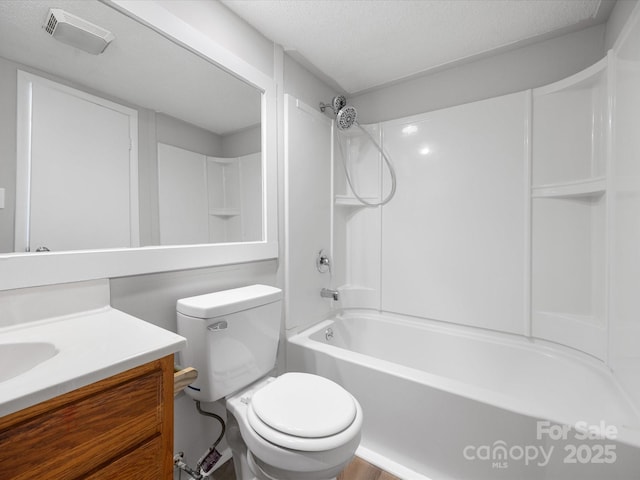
(451, 402)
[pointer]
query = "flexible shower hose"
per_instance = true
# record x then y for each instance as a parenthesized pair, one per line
(387, 161)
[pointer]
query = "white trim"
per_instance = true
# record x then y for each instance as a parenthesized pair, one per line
(528, 213)
(29, 270)
(288, 100)
(23, 164)
(26, 83)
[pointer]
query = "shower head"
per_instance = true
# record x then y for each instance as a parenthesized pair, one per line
(345, 114)
(337, 103)
(346, 117)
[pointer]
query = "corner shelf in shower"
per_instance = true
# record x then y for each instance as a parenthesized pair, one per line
(224, 212)
(351, 201)
(570, 161)
(589, 187)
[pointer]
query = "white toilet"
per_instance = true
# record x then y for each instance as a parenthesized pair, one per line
(293, 427)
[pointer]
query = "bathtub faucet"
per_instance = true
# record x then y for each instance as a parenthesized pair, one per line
(329, 293)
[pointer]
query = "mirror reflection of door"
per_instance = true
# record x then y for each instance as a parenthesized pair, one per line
(80, 165)
(182, 191)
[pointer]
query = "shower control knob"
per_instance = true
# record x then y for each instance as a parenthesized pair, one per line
(323, 262)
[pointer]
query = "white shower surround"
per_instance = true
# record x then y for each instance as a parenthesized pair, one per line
(452, 245)
(501, 217)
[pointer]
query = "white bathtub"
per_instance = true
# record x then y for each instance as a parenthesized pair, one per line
(451, 402)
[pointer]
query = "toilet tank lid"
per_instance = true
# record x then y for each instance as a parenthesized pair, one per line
(228, 301)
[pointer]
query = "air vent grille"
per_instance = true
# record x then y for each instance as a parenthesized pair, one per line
(77, 32)
(51, 23)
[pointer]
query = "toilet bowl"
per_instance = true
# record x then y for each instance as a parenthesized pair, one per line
(296, 426)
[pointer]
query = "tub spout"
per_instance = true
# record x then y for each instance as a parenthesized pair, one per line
(329, 293)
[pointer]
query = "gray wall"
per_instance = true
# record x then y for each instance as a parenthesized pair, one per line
(173, 131)
(243, 142)
(8, 95)
(508, 72)
(617, 19)
(303, 85)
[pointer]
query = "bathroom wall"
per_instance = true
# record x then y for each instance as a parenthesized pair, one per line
(242, 143)
(300, 83)
(498, 74)
(624, 198)
(512, 71)
(617, 20)
(8, 108)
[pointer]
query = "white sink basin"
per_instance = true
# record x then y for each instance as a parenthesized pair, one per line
(17, 358)
(42, 359)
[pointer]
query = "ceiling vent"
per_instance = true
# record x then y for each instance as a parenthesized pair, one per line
(75, 31)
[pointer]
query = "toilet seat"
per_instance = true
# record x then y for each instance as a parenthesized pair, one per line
(304, 412)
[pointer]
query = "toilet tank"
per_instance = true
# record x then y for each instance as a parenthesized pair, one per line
(232, 338)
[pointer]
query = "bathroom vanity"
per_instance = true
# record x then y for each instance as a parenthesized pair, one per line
(86, 390)
(120, 427)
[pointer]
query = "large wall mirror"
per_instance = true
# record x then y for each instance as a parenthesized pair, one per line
(157, 153)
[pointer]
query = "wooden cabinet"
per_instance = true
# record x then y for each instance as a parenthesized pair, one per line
(120, 427)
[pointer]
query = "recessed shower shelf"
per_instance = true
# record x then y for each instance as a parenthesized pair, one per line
(350, 201)
(225, 212)
(589, 187)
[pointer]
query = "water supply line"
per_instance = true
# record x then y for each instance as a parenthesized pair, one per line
(205, 465)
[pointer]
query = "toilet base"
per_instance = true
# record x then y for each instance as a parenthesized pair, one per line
(239, 450)
(248, 467)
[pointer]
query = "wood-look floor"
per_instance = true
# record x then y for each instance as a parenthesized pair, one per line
(358, 469)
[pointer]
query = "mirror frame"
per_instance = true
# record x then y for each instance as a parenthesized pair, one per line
(20, 270)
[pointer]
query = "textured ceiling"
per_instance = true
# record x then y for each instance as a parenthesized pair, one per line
(361, 44)
(140, 66)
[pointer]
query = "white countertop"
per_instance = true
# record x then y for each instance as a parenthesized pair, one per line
(92, 345)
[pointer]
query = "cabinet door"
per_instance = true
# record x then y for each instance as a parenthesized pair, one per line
(143, 463)
(89, 429)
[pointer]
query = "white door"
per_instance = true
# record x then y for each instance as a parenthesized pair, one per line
(182, 191)
(81, 184)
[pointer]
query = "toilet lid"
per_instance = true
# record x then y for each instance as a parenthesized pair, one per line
(304, 405)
